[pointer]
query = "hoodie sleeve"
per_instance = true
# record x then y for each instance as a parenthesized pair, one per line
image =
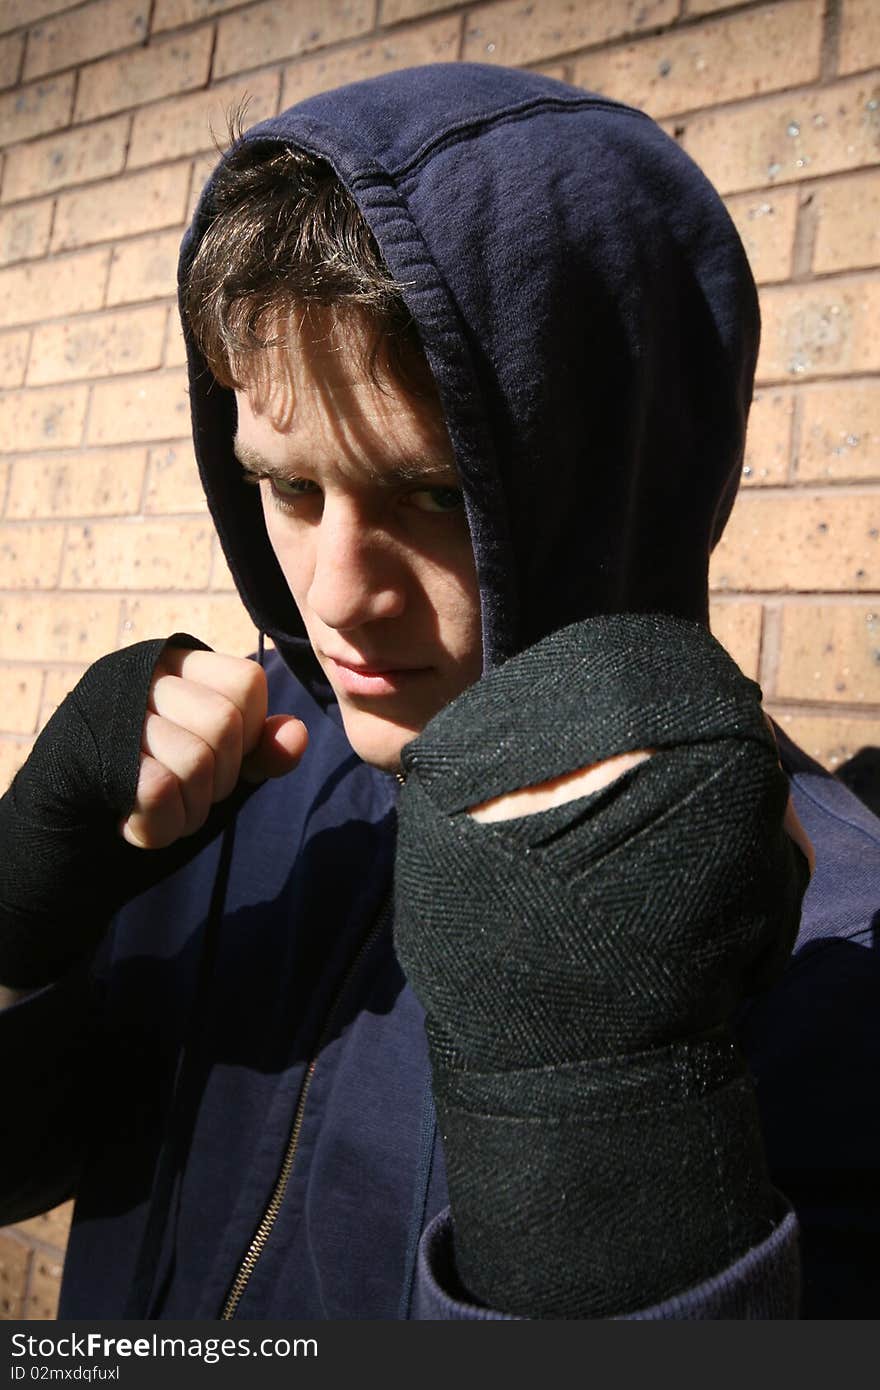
(47, 1043)
(763, 1284)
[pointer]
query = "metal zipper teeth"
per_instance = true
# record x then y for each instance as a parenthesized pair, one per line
(264, 1230)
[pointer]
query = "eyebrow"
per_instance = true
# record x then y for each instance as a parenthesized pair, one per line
(410, 470)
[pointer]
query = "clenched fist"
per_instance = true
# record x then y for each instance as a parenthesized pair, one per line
(595, 867)
(155, 749)
(205, 730)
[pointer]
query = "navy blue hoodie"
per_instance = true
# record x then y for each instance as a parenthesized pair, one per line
(240, 1095)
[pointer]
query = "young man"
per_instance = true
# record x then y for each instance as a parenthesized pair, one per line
(485, 343)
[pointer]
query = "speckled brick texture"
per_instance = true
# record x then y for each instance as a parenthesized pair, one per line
(109, 110)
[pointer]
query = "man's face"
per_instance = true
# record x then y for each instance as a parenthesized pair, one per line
(362, 505)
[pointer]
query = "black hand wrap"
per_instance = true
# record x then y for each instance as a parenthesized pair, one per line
(580, 967)
(64, 868)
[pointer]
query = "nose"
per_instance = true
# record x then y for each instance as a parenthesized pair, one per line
(357, 576)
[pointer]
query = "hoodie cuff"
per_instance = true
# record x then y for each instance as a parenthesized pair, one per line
(763, 1284)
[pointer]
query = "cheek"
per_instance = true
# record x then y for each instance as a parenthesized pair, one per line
(290, 548)
(456, 606)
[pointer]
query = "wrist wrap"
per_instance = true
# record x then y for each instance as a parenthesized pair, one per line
(580, 967)
(64, 867)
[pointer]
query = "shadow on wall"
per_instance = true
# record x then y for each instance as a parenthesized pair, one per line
(861, 773)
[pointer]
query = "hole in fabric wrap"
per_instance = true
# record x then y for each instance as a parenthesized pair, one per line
(572, 785)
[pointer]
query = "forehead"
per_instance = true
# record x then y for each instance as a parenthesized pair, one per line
(315, 403)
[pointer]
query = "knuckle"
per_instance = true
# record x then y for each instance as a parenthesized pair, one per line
(158, 788)
(159, 818)
(230, 727)
(255, 690)
(253, 679)
(202, 763)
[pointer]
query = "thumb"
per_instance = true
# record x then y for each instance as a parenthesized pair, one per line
(279, 748)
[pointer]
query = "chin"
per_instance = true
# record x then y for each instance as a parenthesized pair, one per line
(377, 741)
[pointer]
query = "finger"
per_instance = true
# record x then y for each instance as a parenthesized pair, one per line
(158, 816)
(238, 678)
(582, 782)
(211, 716)
(192, 762)
(281, 745)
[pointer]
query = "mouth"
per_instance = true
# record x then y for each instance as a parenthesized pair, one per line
(357, 679)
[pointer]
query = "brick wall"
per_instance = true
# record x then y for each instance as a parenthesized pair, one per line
(106, 112)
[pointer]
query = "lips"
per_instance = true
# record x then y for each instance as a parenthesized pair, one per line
(380, 679)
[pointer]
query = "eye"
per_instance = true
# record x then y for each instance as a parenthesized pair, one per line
(437, 499)
(291, 488)
(298, 496)
(288, 494)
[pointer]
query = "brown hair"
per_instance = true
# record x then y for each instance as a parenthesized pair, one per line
(287, 236)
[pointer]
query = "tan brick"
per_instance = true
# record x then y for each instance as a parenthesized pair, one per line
(768, 442)
(429, 43)
(840, 433)
(13, 357)
(828, 327)
(24, 231)
(848, 222)
(99, 345)
(51, 1227)
(722, 60)
(30, 555)
(77, 156)
(144, 269)
(513, 32)
(766, 224)
(139, 408)
(13, 752)
(830, 739)
(135, 203)
(790, 540)
(97, 482)
(168, 14)
(174, 484)
(282, 28)
(176, 64)
(708, 6)
(175, 347)
(71, 285)
(202, 168)
(859, 35)
(41, 1304)
(557, 70)
(58, 627)
(11, 50)
(50, 419)
(193, 123)
(785, 138)
(96, 29)
(58, 685)
(738, 628)
(829, 652)
(20, 690)
(33, 110)
(138, 555)
(390, 11)
(15, 1254)
(219, 619)
(14, 14)
(5, 470)
(221, 578)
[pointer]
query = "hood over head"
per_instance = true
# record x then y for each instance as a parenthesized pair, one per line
(588, 313)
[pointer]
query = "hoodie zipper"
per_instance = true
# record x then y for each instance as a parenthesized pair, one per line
(264, 1230)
